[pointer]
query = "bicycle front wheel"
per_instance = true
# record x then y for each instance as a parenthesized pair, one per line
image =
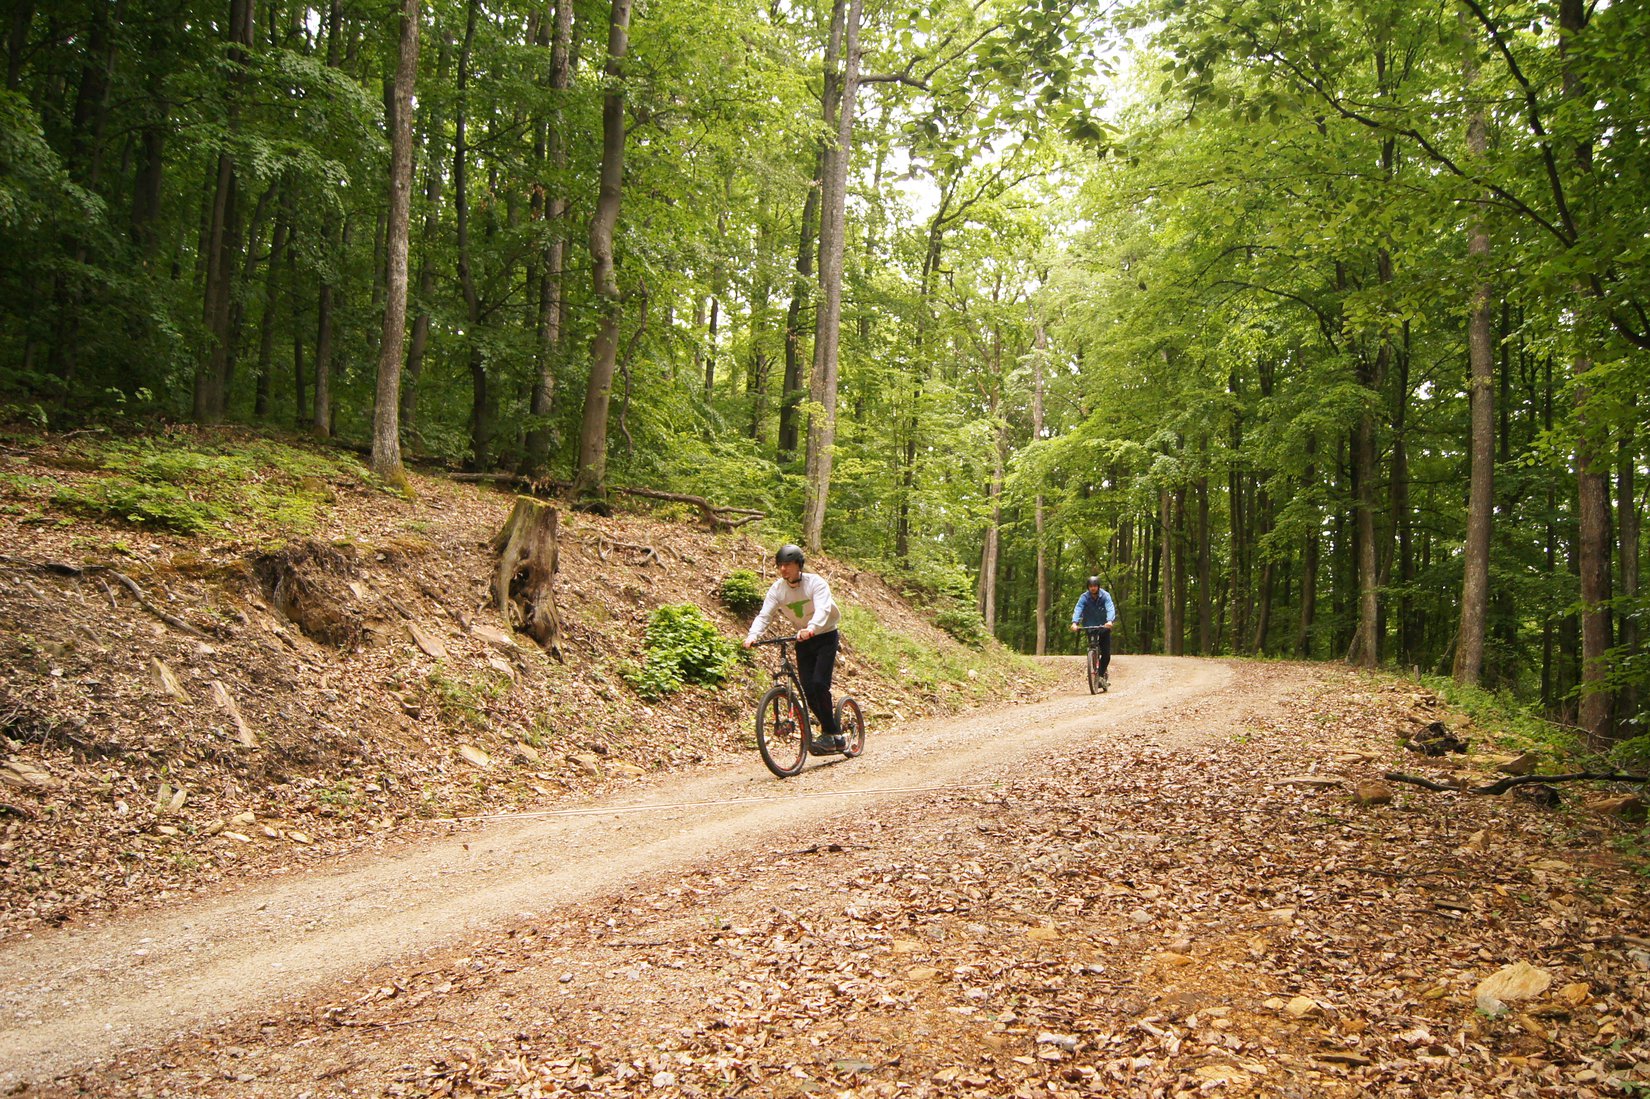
(1094, 672)
(851, 723)
(782, 732)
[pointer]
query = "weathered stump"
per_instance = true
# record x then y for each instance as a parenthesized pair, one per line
(527, 563)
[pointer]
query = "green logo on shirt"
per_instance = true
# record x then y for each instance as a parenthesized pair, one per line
(798, 607)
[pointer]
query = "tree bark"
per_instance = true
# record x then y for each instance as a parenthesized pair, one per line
(552, 294)
(792, 389)
(481, 397)
(1039, 352)
(590, 482)
(1592, 472)
(386, 427)
(828, 330)
(211, 377)
(523, 584)
(1475, 581)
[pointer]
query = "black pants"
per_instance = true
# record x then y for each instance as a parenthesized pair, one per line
(1101, 639)
(816, 660)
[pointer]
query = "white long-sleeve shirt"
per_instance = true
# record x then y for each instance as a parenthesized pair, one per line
(806, 603)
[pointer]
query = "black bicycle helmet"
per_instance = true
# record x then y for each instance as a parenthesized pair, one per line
(1094, 581)
(790, 551)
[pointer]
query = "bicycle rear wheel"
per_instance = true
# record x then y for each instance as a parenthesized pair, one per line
(1094, 672)
(851, 723)
(782, 732)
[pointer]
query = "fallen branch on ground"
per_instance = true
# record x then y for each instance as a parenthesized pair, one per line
(1502, 786)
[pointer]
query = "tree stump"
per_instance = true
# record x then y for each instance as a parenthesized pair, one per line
(526, 568)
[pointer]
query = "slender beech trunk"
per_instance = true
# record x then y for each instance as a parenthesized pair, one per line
(828, 329)
(1592, 470)
(991, 549)
(386, 430)
(481, 397)
(419, 342)
(1628, 524)
(1309, 567)
(263, 392)
(1205, 576)
(792, 389)
(17, 44)
(1165, 540)
(326, 296)
(590, 482)
(1040, 351)
(552, 306)
(1475, 581)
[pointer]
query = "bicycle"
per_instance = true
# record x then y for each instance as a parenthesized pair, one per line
(782, 720)
(1097, 682)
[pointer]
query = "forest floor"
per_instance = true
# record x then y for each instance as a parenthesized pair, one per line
(287, 809)
(1168, 889)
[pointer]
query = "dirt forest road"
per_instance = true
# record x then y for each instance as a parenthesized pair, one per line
(76, 997)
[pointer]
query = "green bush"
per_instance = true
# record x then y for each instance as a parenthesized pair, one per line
(188, 486)
(742, 591)
(156, 505)
(683, 646)
(963, 622)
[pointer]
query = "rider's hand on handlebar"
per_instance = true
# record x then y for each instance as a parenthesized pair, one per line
(747, 643)
(803, 634)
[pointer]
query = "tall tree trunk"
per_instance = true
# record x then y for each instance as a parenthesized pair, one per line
(828, 330)
(1205, 577)
(1309, 567)
(1040, 351)
(386, 431)
(590, 482)
(552, 294)
(1592, 471)
(1629, 523)
(991, 550)
(17, 42)
(272, 299)
(792, 391)
(419, 342)
(1165, 540)
(1475, 581)
(481, 397)
(320, 424)
(211, 376)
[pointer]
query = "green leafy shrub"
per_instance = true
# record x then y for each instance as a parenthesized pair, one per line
(188, 486)
(165, 506)
(962, 621)
(950, 592)
(742, 591)
(683, 646)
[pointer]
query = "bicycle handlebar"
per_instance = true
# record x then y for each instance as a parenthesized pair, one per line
(772, 641)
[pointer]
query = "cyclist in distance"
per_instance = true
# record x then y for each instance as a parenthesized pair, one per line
(803, 600)
(1095, 609)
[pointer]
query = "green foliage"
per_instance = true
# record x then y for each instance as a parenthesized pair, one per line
(162, 506)
(930, 668)
(950, 595)
(742, 592)
(1513, 725)
(683, 646)
(189, 487)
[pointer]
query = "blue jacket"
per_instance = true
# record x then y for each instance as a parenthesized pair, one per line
(1094, 610)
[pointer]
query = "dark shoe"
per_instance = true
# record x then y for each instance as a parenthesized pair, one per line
(828, 745)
